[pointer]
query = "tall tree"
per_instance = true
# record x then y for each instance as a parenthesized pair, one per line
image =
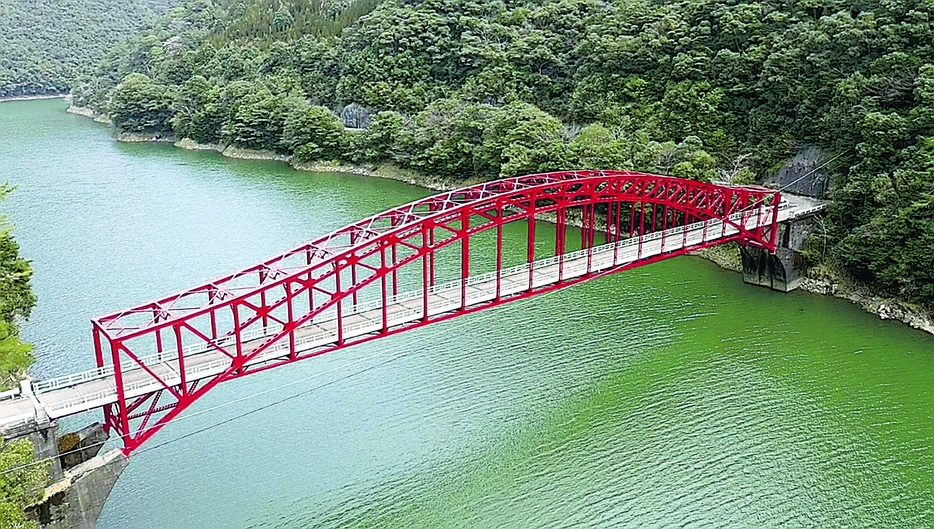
(20, 479)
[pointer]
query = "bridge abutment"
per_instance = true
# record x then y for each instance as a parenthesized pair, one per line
(77, 500)
(785, 269)
(82, 478)
(33, 423)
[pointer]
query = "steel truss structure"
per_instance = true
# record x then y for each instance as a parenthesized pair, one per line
(384, 275)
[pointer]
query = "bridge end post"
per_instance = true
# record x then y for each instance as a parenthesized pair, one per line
(773, 240)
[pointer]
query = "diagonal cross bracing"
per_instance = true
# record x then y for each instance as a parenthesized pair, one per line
(379, 277)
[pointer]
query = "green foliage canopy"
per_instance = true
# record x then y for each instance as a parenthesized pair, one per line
(18, 486)
(44, 46)
(472, 90)
(21, 483)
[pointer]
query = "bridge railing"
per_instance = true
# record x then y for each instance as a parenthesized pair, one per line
(51, 384)
(365, 306)
(808, 211)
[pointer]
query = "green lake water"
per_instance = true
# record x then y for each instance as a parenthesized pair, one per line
(672, 395)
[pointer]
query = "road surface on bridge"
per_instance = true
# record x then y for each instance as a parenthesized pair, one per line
(81, 392)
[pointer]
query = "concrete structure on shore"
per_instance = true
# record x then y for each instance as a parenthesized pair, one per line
(785, 269)
(82, 477)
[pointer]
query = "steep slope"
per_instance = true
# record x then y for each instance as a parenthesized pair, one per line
(473, 90)
(44, 43)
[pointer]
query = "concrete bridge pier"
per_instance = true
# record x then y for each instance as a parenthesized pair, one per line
(77, 500)
(82, 478)
(784, 270)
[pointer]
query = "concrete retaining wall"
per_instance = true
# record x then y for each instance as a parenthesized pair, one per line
(785, 269)
(81, 478)
(76, 501)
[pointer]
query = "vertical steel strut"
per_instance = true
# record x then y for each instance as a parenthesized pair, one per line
(266, 315)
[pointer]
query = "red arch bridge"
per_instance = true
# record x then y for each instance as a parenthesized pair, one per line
(433, 259)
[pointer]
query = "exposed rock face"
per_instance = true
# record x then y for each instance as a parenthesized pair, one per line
(138, 137)
(885, 308)
(252, 154)
(355, 116)
(88, 113)
(805, 174)
(78, 447)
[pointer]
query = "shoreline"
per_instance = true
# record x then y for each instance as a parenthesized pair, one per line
(886, 308)
(33, 97)
(386, 170)
(88, 113)
(726, 256)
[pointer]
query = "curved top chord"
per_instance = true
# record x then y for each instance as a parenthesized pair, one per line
(414, 265)
(299, 260)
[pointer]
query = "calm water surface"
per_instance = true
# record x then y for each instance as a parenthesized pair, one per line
(669, 396)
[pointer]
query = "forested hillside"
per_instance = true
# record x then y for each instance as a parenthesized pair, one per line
(44, 43)
(475, 90)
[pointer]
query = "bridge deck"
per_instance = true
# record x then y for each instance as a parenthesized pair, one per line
(92, 389)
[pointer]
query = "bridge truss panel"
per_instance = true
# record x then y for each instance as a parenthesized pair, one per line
(433, 259)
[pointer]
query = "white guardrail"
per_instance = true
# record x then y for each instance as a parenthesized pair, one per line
(575, 264)
(808, 211)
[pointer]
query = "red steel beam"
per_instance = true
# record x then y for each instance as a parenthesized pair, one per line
(397, 238)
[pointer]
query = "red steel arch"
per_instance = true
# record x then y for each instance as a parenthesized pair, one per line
(381, 276)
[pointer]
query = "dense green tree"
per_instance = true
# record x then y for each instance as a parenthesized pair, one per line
(318, 64)
(200, 111)
(400, 57)
(140, 105)
(21, 482)
(258, 120)
(315, 128)
(15, 356)
(519, 139)
(16, 303)
(377, 142)
(16, 297)
(45, 46)
(445, 140)
(695, 88)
